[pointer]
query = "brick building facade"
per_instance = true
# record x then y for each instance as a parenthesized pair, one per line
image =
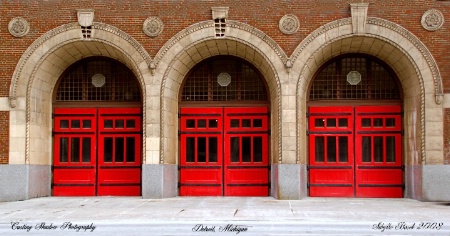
(287, 44)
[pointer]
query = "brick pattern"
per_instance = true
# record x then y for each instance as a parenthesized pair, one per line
(4, 136)
(447, 136)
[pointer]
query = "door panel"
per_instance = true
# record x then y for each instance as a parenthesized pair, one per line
(331, 169)
(119, 162)
(379, 145)
(376, 169)
(246, 156)
(97, 151)
(74, 172)
(224, 151)
(201, 147)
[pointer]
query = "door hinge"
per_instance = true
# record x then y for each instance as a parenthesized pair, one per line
(179, 132)
(403, 168)
(269, 132)
(307, 133)
(307, 114)
(307, 185)
(307, 167)
(403, 132)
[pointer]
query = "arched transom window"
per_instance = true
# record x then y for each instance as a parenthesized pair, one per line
(355, 77)
(98, 79)
(224, 79)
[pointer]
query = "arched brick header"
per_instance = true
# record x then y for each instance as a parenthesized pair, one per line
(404, 53)
(40, 67)
(199, 42)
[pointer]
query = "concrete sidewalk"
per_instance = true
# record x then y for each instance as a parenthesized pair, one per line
(223, 216)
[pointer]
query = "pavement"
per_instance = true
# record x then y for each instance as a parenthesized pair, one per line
(223, 216)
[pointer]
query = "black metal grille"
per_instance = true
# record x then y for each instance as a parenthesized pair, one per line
(245, 85)
(377, 82)
(120, 83)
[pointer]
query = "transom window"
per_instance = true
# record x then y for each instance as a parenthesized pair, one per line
(338, 80)
(224, 79)
(98, 79)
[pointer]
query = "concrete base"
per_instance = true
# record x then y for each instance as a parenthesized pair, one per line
(436, 182)
(22, 182)
(159, 181)
(289, 181)
(413, 182)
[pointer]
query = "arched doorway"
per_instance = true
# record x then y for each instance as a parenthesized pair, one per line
(97, 130)
(224, 130)
(355, 129)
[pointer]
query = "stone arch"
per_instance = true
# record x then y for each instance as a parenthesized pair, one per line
(411, 61)
(198, 42)
(39, 69)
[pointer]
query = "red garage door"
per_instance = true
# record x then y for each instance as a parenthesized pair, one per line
(224, 151)
(355, 151)
(97, 151)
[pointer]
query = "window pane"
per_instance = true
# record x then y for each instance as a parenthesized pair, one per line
(201, 149)
(257, 123)
(343, 122)
(331, 122)
(365, 122)
(234, 149)
(131, 124)
(107, 149)
(319, 122)
(390, 122)
(190, 149)
(246, 149)
(75, 124)
(86, 124)
(234, 123)
(257, 149)
(108, 124)
(86, 150)
(319, 149)
(331, 149)
(75, 150)
(390, 149)
(366, 149)
(64, 149)
(378, 122)
(378, 146)
(130, 149)
(119, 124)
(212, 149)
(201, 123)
(246, 123)
(212, 123)
(119, 149)
(64, 124)
(343, 149)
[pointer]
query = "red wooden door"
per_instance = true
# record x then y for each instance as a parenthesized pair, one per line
(201, 170)
(331, 164)
(74, 165)
(97, 151)
(119, 151)
(224, 151)
(246, 156)
(355, 151)
(379, 151)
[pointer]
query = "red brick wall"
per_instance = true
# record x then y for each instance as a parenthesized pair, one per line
(4, 136)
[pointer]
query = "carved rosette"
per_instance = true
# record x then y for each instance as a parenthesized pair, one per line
(432, 20)
(18, 27)
(289, 24)
(153, 26)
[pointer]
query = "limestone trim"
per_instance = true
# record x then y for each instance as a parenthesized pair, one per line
(22, 83)
(210, 24)
(326, 37)
(191, 32)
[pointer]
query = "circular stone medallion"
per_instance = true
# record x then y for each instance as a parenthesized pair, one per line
(289, 24)
(432, 20)
(18, 27)
(153, 26)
